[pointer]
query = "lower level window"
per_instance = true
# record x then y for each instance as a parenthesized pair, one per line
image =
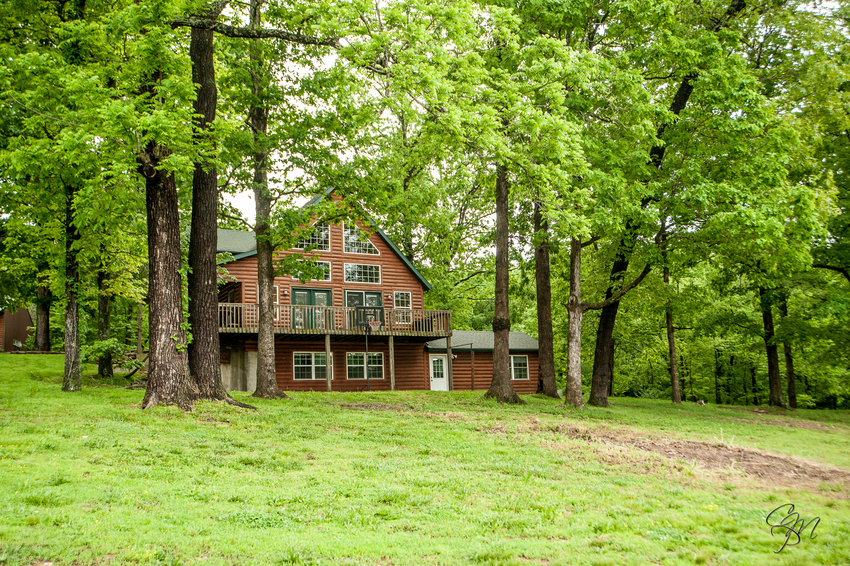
(519, 367)
(357, 367)
(310, 365)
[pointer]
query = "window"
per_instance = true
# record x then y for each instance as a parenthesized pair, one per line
(355, 242)
(360, 273)
(355, 362)
(438, 367)
(310, 365)
(403, 301)
(519, 367)
(325, 266)
(319, 239)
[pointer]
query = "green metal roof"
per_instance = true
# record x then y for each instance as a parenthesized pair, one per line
(482, 341)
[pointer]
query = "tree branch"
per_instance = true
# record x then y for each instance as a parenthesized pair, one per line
(591, 241)
(465, 279)
(252, 33)
(843, 271)
(617, 296)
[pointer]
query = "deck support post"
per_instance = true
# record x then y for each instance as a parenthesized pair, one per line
(392, 364)
(329, 369)
(449, 361)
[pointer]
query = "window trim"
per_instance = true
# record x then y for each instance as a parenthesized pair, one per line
(380, 274)
(330, 273)
(369, 239)
(365, 366)
(312, 367)
(527, 368)
(328, 226)
(403, 317)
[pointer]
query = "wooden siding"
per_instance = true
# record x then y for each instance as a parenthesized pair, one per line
(14, 325)
(411, 366)
(462, 371)
(395, 275)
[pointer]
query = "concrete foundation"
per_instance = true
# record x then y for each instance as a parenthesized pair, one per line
(241, 373)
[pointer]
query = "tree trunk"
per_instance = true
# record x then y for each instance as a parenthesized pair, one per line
(603, 356)
(73, 364)
(690, 376)
(140, 317)
(790, 376)
(168, 380)
(258, 117)
(573, 393)
(104, 327)
(754, 384)
(676, 392)
(42, 316)
(776, 397)
(204, 351)
(546, 373)
(717, 373)
(744, 385)
(789, 360)
(501, 388)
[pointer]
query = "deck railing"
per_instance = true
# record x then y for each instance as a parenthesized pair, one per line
(300, 319)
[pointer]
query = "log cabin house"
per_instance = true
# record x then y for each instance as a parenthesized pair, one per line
(365, 276)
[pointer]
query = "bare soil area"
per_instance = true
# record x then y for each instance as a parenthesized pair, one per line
(398, 407)
(766, 467)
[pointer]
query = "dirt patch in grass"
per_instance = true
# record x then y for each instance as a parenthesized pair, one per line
(809, 425)
(449, 416)
(398, 407)
(767, 467)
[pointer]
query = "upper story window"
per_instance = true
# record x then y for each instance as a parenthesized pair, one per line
(319, 239)
(355, 241)
(360, 273)
(402, 301)
(324, 274)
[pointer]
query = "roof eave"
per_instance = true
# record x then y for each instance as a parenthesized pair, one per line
(238, 256)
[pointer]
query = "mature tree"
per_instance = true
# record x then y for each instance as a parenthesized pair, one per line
(704, 39)
(546, 375)
(203, 351)
(260, 72)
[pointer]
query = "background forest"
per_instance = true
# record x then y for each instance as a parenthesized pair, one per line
(686, 162)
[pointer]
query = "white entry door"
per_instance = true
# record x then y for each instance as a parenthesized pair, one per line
(439, 373)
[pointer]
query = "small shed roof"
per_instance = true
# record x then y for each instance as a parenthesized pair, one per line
(483, 342)
(236, 241)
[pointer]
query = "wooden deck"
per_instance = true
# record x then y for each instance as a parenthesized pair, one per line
(317, 320)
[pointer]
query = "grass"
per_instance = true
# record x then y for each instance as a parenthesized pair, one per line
(88, 478)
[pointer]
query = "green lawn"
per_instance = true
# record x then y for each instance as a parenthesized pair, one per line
(433, 478)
